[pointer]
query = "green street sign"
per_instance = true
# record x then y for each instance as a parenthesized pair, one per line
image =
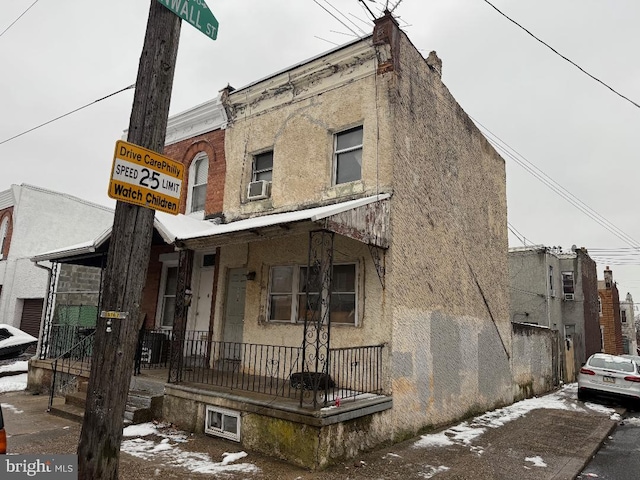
(195, 12)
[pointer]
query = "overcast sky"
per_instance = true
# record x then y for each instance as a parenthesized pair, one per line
(64, 54)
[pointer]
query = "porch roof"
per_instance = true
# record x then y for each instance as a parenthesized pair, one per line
(355, 218)
(364, 226)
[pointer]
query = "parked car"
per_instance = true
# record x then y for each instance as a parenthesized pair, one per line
(610, 376)
(13, 341)
(3, 435)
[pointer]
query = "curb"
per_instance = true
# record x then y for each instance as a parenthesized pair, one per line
(584, 455)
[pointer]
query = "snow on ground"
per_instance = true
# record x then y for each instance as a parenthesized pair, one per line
(13, 383)
(21, 366)
(168, 452)
(466, 432)
(431, 471)
(537, 461)
(6, 406)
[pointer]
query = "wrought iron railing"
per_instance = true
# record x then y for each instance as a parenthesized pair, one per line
(277, 370)
(153, 350)
(70, 364)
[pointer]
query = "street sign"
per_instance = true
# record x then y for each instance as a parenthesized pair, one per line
(195, 12)
(146, 178)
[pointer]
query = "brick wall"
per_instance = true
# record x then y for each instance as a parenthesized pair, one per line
(7, 213)
(610, 320)
(212, 143)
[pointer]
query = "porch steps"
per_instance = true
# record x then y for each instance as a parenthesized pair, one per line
(142, 406)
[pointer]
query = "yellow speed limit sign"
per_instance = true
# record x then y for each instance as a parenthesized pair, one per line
(145, 178)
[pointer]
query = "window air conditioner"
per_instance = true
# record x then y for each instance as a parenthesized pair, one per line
(568, 296)
(258, 190)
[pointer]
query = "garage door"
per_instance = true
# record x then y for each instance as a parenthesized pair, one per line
(31, 315)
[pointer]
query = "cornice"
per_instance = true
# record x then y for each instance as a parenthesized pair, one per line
(195, 121)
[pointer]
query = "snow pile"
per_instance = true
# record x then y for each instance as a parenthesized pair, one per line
(537, 461)
(168, 452)
(466, 432)
(21, 366)
(13, 383)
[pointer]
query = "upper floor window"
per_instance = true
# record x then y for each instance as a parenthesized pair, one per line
(198, 175)
(623, 316)
(288, 295)
(4, 233)
(599, 305)
(568, 285)
(552, 292)
(262, 167)
(347, 159)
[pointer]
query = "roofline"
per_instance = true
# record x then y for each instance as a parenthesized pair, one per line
(303, 62)
(65, 195)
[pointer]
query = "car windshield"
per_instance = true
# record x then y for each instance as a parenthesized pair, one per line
(612, 364)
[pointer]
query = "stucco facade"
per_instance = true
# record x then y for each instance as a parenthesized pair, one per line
(41, 220)
(443, 311)
(629, 342)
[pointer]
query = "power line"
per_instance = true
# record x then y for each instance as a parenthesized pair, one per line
(330, 13)
(67, 114)
(19, 17)
(562, 56)
(555, 186)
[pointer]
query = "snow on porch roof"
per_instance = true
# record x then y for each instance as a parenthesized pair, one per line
(310, 214)
(174, 228)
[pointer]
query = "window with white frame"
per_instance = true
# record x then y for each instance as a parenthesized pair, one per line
(287, 294)
(4, 233)
(222, 423)
(262, 168)
(198, 175)
(167, 292)
(568, 285)
(347, 161)
(600, 306)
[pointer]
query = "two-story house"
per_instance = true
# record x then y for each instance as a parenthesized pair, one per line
(627, 319)
(557, 290)
(34, 219)
(347, 282)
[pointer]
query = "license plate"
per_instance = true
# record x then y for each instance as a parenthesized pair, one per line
(607, 379)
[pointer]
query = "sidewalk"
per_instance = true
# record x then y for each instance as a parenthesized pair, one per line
(551, 437)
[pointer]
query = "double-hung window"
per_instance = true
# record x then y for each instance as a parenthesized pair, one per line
(567, 285)
(347, 161)
(198, 175)
(288, 295)
(262, 167)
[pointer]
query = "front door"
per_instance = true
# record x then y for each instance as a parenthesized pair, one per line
(204, 293)
(234, 312)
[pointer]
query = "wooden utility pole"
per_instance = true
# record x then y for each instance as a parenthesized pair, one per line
(129, 250)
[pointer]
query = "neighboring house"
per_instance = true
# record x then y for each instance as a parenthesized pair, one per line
(558, 290)
(32, 220)
(345, 282)
(629, 343)
(610, 321)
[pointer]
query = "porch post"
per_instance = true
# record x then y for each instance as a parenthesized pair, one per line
(317, 324)
(45, 335)
(183, 298)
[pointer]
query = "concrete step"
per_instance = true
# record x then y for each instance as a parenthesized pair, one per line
(83, 386)
(78, 399)
(64, 410)
(141, 407)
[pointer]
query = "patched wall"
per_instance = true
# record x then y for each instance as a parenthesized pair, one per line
(533, 352)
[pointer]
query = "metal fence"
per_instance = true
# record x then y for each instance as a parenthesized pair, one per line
(277, 370)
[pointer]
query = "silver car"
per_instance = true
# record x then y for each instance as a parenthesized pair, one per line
(609, 376)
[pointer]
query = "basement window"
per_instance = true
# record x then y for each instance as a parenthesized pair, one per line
(222, 423)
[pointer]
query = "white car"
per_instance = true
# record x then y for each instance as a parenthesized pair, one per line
(609, 376)
(13, 341)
